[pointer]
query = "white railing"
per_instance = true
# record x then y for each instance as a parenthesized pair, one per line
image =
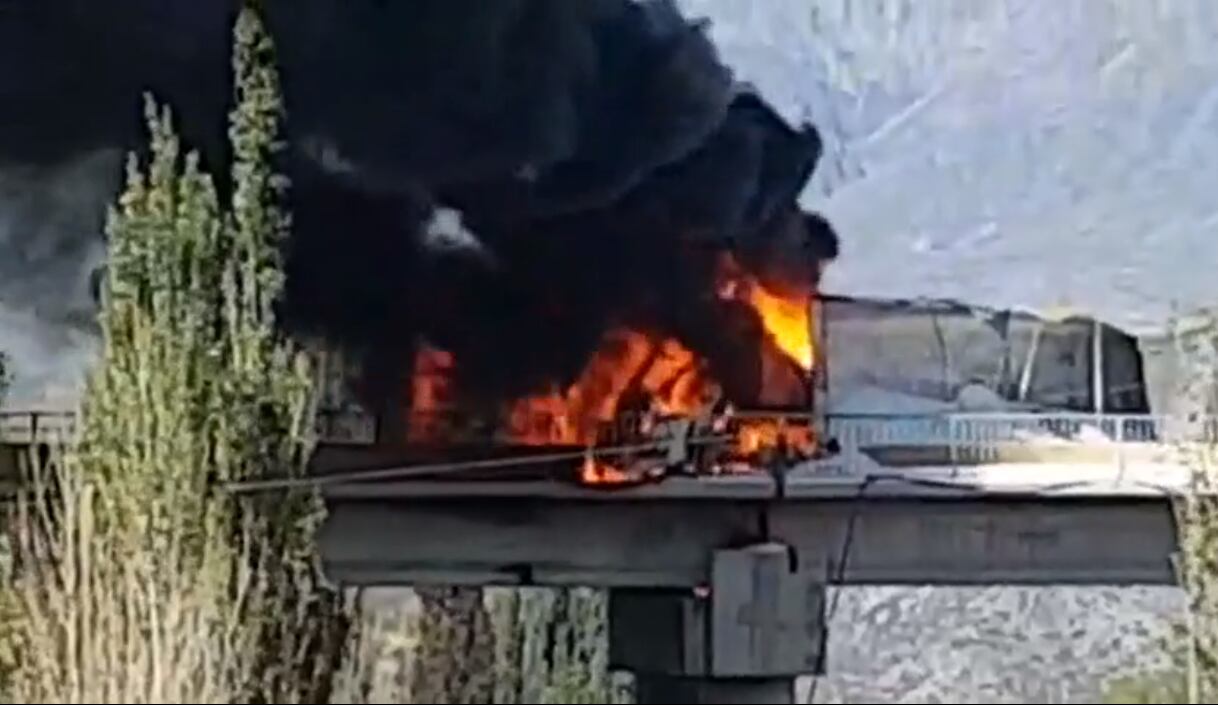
(952, 438)
(20, 428)
(982, 437)
(31, 427)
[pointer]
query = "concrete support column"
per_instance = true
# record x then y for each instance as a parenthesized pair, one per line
(744, 638)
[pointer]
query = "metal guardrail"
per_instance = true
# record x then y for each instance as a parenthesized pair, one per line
(19, 428)
(981, 437)
(34, 427)
(968, 437)
(926, 429)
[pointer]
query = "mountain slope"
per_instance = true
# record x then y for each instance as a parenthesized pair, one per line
(1026, 153)
(990, 645)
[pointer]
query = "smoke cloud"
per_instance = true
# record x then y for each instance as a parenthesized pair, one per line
(506, 180)
(51, 219)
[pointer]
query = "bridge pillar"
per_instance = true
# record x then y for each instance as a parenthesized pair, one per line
(743, 638)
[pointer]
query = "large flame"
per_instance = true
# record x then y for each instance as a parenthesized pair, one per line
(787, 318)
(634, 371)
(661, 374)
(787, 321)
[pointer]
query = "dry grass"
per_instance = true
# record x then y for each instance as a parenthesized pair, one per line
(111, 611)
(547, 646)
(103, 620)
(380, 664)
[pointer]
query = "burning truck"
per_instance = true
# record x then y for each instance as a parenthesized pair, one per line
(528, 223)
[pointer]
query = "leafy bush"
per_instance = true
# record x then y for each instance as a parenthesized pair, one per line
(139, 577)
(1168, 686)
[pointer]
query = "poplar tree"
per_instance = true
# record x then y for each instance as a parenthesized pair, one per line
(1194, 648)
(1184, 667)
(141, 575)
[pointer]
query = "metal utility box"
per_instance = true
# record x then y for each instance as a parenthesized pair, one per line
(759, 617)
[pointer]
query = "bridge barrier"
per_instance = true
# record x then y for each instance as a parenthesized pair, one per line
(947, 439)
(978, 438)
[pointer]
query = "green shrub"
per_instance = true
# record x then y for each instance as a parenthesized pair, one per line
(139, 577)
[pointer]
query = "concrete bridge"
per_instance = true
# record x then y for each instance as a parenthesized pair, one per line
(1012, 499)
(718, 583)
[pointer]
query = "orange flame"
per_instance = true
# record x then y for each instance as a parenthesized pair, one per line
(636, 371)
(630, 367)
(667, 376)
(596, 472)
(787, 319)
(757, 436)
(430, 392)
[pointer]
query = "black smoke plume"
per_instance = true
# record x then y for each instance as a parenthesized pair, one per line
(504, 179)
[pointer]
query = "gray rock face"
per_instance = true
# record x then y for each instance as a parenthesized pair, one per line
(1010, 153)
(990, 645)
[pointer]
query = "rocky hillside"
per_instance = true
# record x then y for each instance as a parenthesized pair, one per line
(1010, 152)
(990, 645)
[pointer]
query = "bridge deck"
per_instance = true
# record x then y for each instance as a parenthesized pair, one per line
(913, 526)
(1006, 503)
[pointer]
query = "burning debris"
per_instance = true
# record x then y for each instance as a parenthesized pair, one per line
(533, 217)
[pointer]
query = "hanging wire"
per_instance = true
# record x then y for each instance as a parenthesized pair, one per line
(445, 469)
